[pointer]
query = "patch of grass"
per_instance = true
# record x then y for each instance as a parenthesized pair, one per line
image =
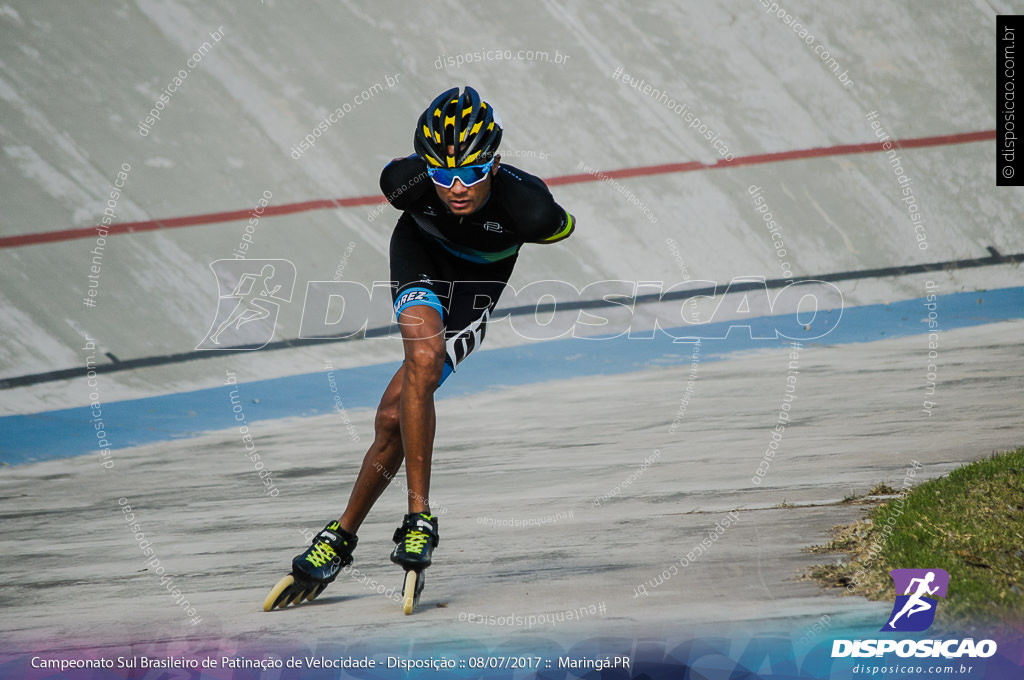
(845, 539)
(970, 523)
(882, 489)
(879, 489)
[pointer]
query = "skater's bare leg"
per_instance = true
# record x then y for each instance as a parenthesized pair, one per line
(423, 338)
(382, 460)
(422, 332)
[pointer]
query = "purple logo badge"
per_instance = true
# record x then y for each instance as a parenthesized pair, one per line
(914, 610)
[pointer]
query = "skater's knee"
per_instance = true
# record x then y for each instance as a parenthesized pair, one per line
(387, 420)
(425, 359)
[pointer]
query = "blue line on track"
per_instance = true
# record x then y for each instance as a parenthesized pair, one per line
(71, 432)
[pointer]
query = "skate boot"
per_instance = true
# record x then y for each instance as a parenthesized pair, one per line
(416, 540)
(314, 569)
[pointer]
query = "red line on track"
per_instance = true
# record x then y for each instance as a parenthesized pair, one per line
(329, 203)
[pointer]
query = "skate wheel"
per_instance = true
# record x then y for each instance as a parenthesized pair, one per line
(298, 595)
(411, 590)
(316, 593)
(409, 594)
(279, 594)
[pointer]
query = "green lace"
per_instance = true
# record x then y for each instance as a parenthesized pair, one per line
(321, 554)
(415, 541)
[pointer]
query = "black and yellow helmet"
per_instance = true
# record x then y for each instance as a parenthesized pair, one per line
(465, 122)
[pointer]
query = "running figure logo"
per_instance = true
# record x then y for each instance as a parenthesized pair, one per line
(250, 297)
(914, 610)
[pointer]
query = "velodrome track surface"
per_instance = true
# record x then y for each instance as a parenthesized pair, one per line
(549, 453)
(616, 467)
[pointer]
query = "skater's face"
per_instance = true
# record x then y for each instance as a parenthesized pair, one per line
(463, 200)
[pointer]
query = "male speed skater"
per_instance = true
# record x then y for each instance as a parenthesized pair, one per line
(464, 219)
